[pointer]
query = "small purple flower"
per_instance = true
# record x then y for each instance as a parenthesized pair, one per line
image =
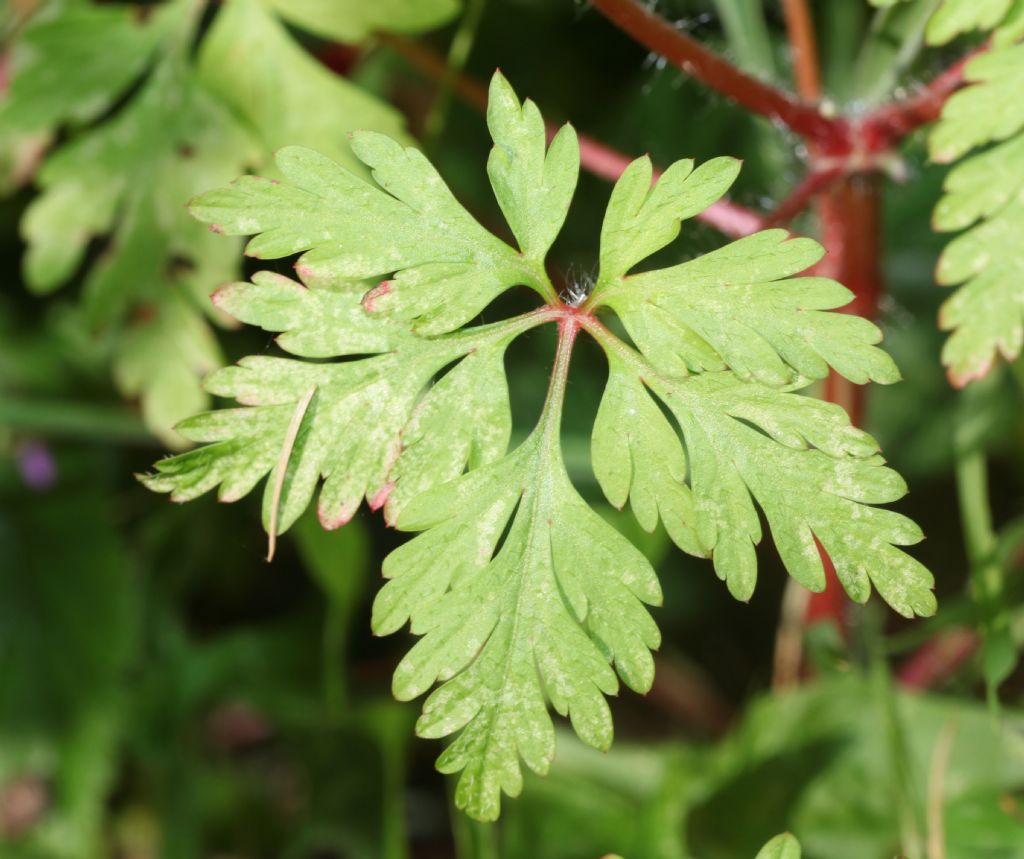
(37, 465)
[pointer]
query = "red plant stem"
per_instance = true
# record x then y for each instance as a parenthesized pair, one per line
(937, 659)
(728, 218)
(803, 43)
(888, 125)
(851, 233)
(659, 36)
(434, 66)
(813, 184)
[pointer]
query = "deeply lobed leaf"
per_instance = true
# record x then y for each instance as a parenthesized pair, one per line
(445, 267)
(981, 195)
(521, 594)
(509, 623)
(811, 473)
(738, 307)
(954, 17)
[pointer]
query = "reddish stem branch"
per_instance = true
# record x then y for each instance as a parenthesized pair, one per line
(731, 219)
(851, 233)
(813, 184)
(434, 66)
(888, 125)
(800, 29)
(659, 36)
(938, 659)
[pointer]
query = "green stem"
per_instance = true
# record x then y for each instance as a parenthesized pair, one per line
(551, 419)
(334, 635)
(473, 839)
(982, 545)
(841, 33)
(69, 419)
(393, 764)
(458, 55)
(746, 32)
(893, 42)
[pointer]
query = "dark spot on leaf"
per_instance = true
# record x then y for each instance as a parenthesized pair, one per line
(143, 314)
(178, 266)
(142, 13)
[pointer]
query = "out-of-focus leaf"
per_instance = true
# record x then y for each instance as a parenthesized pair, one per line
(630, 801)
(161, 356)
(955, 17)
(165, 129)
(770, 755)
(801, 761)
(287, 95)
(73, 65)
(783, 846)
(354, 20)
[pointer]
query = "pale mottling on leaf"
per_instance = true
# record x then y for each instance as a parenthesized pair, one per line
(983, 195)
(524, 598)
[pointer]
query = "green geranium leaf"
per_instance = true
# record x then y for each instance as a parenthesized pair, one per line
(982, 196)
(288, 97)
(75, 65)
(523, 595)
(355, 20)
(954, 17)
(984, 112)
(162, 354)
(508, 627)
(783, 846)
(739, 307)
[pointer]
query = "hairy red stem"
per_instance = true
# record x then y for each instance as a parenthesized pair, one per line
(813, 184)
(888, 125)
(658, 35)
